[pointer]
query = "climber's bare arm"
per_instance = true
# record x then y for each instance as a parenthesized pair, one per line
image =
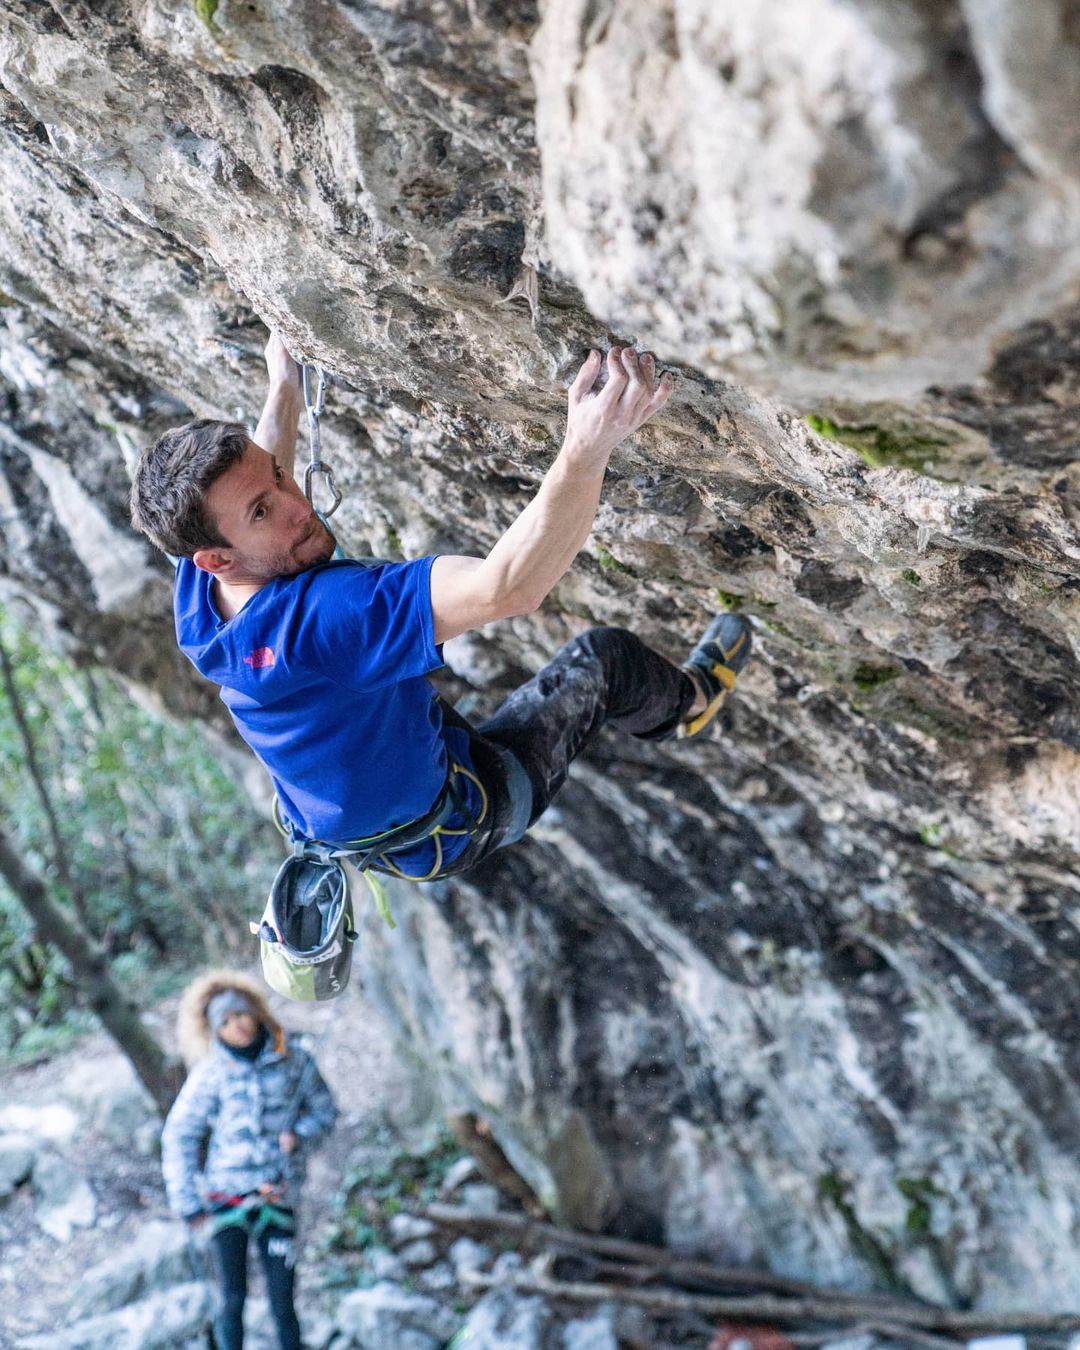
(277, 427)
(538, 548)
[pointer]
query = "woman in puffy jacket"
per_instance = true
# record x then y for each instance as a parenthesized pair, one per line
(235, 1143)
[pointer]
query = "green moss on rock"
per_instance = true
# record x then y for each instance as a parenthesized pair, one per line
(609, 563)
(835, 1191)
(866, 676)
(775, 626)
(206, 9)
(919, 1192)
(901, 446)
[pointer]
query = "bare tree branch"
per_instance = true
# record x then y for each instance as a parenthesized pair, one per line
(95, 986)
(37, 777)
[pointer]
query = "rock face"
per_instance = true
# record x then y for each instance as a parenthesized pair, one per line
(840, 196)
(803, 992)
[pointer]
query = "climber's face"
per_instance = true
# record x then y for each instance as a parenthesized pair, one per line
(271, 528)
(238, 1030)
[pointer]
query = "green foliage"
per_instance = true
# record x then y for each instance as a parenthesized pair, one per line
(911, 576)
(919, 450)
(168, 854)
(44, 1040)
(373, 1195)
(393, 538)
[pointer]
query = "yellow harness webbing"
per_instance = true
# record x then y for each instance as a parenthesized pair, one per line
(378, 890)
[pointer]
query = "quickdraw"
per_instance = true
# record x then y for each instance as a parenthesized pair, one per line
(315, 382)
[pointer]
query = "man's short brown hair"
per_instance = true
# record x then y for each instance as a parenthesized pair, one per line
(168, 496)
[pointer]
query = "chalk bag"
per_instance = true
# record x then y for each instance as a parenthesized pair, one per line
(307, 930)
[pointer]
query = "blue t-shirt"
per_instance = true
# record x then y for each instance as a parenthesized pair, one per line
(324, 674)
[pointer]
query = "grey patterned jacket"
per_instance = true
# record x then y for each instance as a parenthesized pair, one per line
(232, 1111)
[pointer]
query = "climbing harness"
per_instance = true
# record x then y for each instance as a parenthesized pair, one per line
(252, 1212)
(375, 850)
(357, 857)
(308, 925)
(315, 382)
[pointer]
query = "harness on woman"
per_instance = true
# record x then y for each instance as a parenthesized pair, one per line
(252, 1212)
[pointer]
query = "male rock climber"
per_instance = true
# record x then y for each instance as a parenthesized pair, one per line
(322, 663)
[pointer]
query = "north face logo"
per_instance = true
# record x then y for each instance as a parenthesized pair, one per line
(260, 658)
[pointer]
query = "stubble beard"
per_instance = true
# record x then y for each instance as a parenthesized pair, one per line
(290, 564)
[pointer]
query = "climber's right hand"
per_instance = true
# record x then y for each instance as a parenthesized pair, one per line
(598, 419)
(281, 367)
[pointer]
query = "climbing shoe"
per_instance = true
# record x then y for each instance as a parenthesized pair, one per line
(715, 663)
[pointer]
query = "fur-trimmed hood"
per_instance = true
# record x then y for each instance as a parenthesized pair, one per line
(192, 1027)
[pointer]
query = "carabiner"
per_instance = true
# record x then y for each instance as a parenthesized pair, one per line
(314, 405)
(317, 466)
(315, 401)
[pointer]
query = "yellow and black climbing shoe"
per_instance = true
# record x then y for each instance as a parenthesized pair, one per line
(715, 663)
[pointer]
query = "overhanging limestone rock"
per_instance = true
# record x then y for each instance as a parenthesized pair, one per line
(803, 991)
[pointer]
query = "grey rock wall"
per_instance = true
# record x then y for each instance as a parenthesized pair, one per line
(803, 992)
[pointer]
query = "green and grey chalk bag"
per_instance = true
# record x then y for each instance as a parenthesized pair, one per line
(307, 930)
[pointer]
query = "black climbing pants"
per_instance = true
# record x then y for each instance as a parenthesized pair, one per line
(605, 677)
(277, 1253)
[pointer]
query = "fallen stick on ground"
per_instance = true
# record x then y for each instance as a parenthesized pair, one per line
(889, 1331)
(529, 1232)
(769, 1308)
(476, 1137)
